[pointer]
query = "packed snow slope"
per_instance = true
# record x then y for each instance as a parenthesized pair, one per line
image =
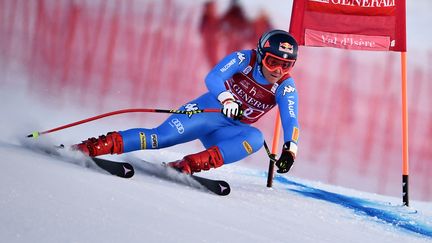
(49, 199)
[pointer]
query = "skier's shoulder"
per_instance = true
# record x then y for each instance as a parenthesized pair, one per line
(287, 88)
(237, 58)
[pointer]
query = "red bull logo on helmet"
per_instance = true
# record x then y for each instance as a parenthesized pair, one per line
(286, 47)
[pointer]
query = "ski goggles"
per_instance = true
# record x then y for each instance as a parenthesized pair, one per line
(273, 62)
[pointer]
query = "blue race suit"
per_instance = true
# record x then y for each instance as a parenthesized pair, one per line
(239, 73)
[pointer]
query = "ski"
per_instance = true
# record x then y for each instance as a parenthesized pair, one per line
(126, 170)
(218, 187)
(121, 169)
(161, 170)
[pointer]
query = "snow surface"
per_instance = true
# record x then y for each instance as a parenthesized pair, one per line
(46, 199)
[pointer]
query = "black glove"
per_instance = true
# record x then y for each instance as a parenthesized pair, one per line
(286, 159)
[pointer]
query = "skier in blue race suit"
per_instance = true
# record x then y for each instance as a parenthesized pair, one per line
(245, 85)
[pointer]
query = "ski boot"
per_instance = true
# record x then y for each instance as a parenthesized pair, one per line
(112, 143)
(209, 158)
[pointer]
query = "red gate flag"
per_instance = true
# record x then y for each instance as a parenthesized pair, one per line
(378, 25)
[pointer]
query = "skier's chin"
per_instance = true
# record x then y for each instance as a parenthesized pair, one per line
(274, 77)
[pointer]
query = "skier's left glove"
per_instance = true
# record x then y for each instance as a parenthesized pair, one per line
(286, 160)
(231, 108)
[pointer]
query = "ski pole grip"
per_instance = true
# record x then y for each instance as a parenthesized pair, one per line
(34, 135)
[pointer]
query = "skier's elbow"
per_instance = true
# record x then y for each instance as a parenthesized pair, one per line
(214, 83)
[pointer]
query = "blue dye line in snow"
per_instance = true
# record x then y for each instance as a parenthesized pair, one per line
(386, 213)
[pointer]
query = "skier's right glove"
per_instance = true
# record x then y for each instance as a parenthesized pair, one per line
(230, 108)
(286, 160)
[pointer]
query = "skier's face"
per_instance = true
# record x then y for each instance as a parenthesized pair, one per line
(275, 67)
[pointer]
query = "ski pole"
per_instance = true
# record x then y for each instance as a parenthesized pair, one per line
(189, 113)
(272, 162)
(270, 155)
